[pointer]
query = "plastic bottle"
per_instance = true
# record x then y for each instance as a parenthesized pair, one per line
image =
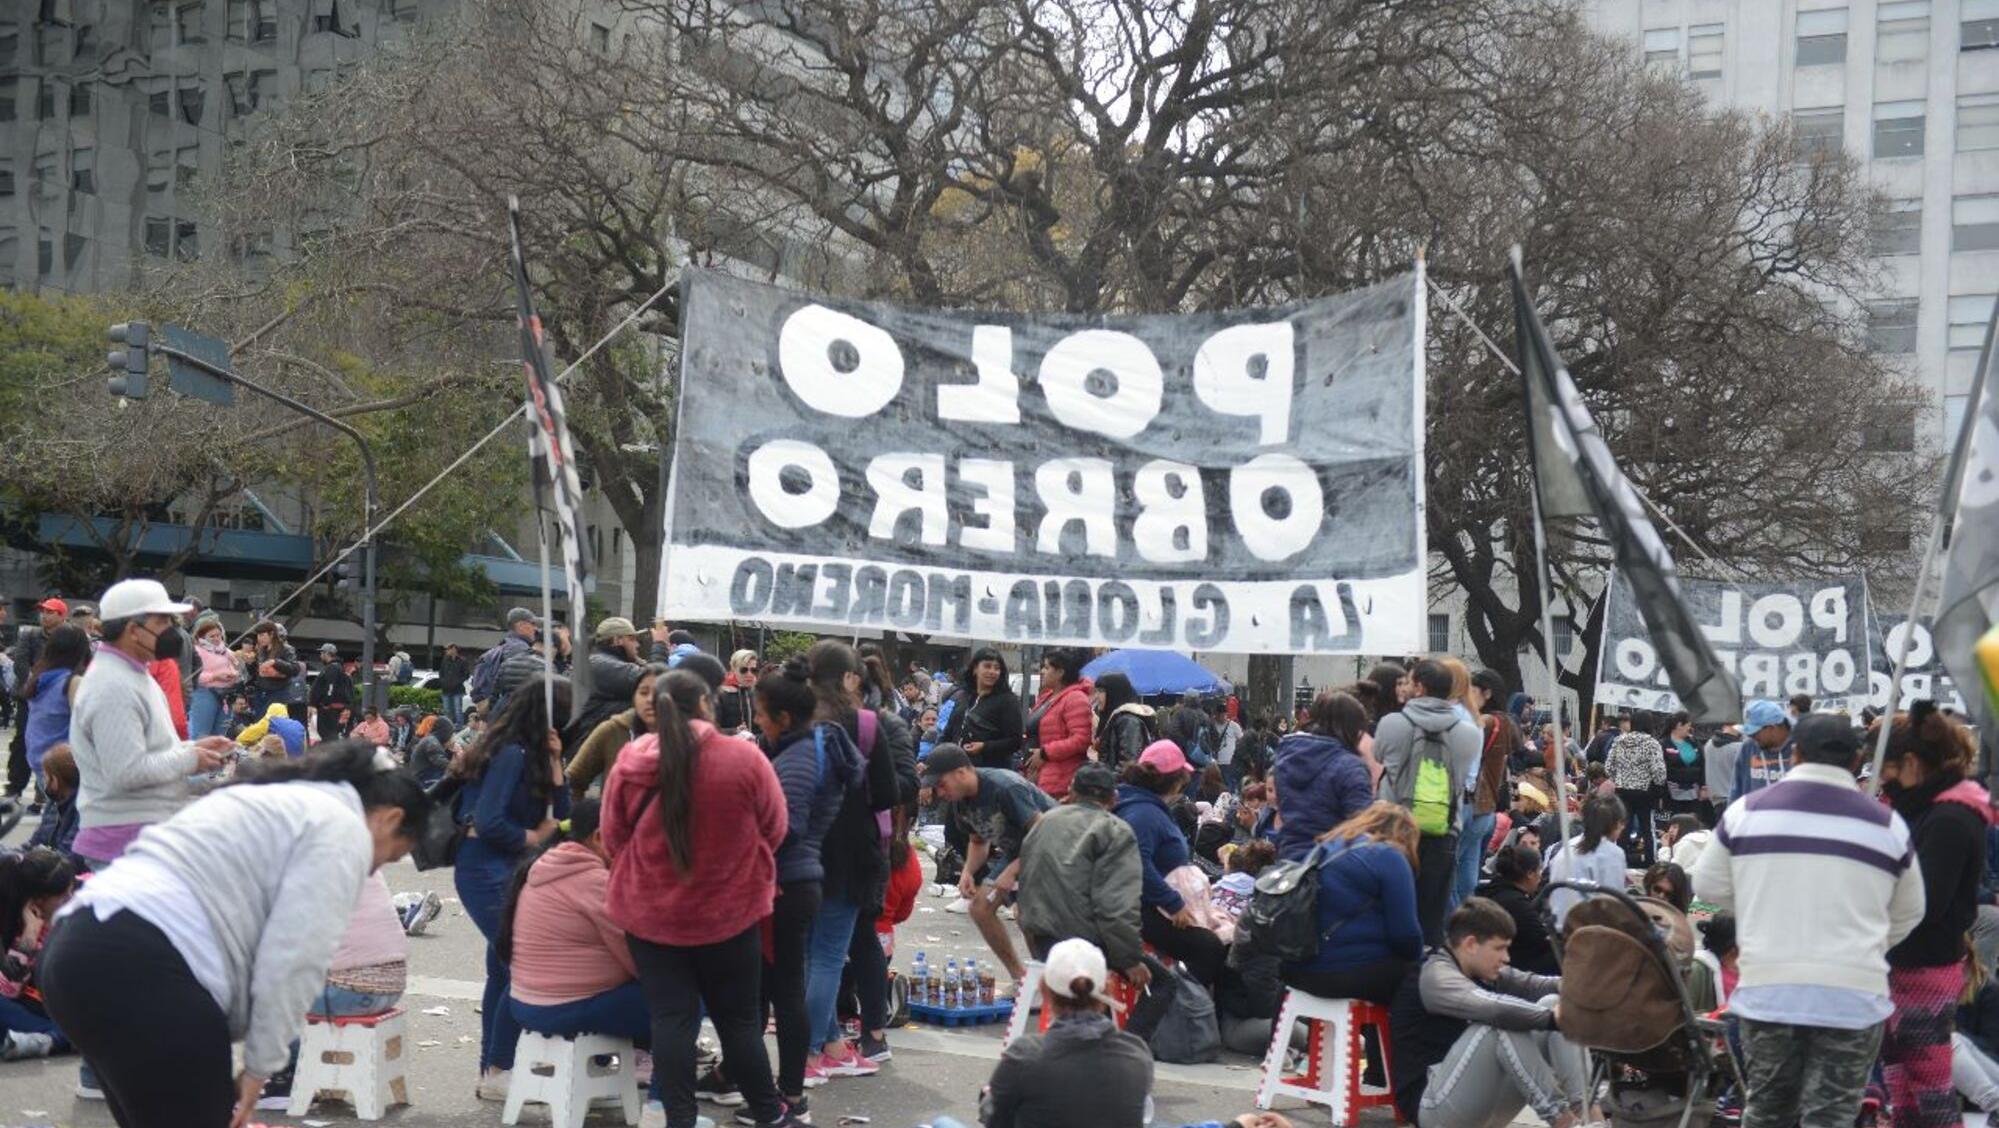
(951, 981)
(988, 986)
(968, 987)
(919, 980)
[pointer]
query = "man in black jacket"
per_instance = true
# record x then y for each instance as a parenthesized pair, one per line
(615, 669)
(452, 673)
(332, 696)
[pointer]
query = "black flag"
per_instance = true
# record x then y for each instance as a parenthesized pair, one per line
(1575, 476)
(557, 485)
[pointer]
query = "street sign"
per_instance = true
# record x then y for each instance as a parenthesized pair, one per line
(189, 380)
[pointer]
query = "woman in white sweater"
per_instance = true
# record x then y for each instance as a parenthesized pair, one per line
(219, 925)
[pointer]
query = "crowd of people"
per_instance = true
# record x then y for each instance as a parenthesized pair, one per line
(589, 835)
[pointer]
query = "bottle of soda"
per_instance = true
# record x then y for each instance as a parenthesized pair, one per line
(968, 987)
(919, 980)
(988, 986)
(951, 998)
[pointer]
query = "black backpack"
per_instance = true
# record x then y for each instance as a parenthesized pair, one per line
(1282, 917)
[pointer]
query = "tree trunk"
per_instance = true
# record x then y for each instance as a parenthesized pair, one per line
(1266, 695)
(646, 553)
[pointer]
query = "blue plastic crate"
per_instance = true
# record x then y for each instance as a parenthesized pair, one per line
(962, 1016)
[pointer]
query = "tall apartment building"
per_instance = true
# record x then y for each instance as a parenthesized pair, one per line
(1911, 89)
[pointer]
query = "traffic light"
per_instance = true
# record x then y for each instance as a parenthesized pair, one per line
(128, 364)
(347, 574)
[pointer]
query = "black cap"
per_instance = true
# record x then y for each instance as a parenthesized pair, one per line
(1094, 781)
(945, 758)
(1820, 734)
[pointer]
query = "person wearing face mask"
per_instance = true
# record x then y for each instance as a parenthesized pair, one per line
(132, 764)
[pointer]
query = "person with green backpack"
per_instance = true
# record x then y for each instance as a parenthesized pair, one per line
(1427, 751)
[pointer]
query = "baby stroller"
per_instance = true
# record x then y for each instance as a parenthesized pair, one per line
(1624, 999)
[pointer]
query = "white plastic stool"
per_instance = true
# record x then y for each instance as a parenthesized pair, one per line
(1025, 995)
(1335, 1059)
(562, 1074)
(361, 1057)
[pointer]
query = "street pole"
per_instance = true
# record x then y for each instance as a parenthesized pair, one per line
(370, 502)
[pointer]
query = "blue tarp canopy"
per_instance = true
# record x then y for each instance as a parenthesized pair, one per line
(1155, 672)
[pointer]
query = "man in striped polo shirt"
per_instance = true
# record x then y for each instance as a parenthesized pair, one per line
(1823, 881)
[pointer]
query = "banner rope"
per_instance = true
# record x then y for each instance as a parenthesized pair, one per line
(460, 461)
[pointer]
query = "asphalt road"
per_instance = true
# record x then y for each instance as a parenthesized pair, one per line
(934, 1072)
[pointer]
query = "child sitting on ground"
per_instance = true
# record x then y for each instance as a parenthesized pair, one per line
(33, 885)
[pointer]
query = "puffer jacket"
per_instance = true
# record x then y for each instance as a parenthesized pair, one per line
(1064, 736)
(1636, 762)
(1321, 783)
(816, 766)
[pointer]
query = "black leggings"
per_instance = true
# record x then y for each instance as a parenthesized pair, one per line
(1376, 982)
(153, 1033)
(791, 929)
(724, 977)
(1198, 950)
(1639, 805)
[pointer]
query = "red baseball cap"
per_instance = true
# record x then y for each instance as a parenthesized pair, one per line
(55, 605)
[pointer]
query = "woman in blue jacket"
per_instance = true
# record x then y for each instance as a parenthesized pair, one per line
(1322, 781)
(1368, 934)
(511, 795)
(1150, 786)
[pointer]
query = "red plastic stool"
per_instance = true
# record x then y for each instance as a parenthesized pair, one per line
(1335, 1056)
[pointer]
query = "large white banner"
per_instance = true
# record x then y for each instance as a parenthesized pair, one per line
(1776, 639)
(1248, 481)
(1923, 675)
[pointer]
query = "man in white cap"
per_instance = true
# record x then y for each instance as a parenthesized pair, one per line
(134, 767)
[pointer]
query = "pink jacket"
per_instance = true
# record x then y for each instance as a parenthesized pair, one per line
(1065, 737)
(565, 945)
(374, 933)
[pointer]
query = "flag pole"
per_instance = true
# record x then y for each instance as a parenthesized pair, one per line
(547, 603)
(1940, 523)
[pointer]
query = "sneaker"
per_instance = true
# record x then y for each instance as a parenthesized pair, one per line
(847, 1062)
(814, 1075)
(716, 1089)
(943, 891)
(875, 1049)
(87, 1088)
(493, 1085)
(959, 905)
(423, 913)
(17, 1046)
(794, 1114)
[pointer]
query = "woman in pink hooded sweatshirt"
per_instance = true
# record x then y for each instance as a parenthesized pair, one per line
(1924, 775)
(572, 970)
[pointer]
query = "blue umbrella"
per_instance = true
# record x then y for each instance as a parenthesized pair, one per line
(1153, 672)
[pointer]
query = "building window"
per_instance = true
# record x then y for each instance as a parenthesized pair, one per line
(159, 236)
(1979, 30)
(8, 89)
(1968, 316)
(187, 20)
(1704, 51)
(73, 249)
(83, 171)
(1898, 129)
(1891, 326)
(186, 247)
(239, 21)
(1898, 228)
(47, 186)
(187, 166)
(6, 183)
(238, 85)
(10, 42)
(45, 253)
(1891, 537)
(1977, 122)
(1819, 130)
(1902, 31)
(159, 171)
(160, 103)
(1662, 47)
(50, 39)
(160, 27)
(263, 84)
(45, 100)
(191, 98)
(79, 100)
(86, 43)
(1974, 223)
(1440, 634)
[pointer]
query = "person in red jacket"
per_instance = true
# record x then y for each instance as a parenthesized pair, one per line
(905, 877)
(692, 820)
(1058, 728)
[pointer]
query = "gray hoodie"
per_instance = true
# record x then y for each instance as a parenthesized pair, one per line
(1396, 740)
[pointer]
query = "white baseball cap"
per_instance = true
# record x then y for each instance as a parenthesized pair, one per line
(1075, 959)
(127, 599)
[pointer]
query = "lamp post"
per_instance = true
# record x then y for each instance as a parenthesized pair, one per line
(131, 362)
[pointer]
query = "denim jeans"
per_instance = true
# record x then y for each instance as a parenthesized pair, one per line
(205, 715)
(481, 877)
(620, 1012)
(17, 1017)
(454, 708)
(1471, 852)
(825, 958)
(340, 1002)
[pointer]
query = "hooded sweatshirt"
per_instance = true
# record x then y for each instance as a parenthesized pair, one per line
(1947, 820)
(566, 947)
(1162, 848)
(1320, 784)
(1400, 740)
(739, 821)
(816, 767)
